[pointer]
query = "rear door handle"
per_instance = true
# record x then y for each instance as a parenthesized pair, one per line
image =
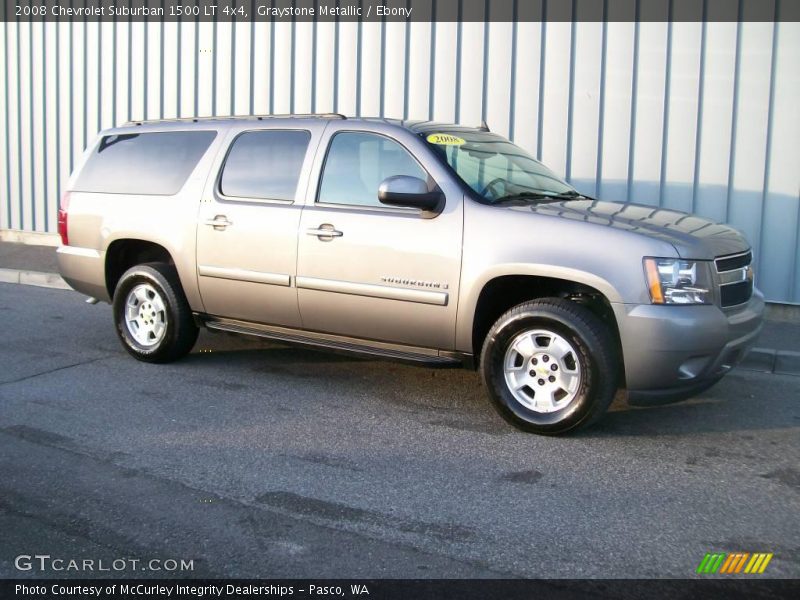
(219, 222)
(325, 230)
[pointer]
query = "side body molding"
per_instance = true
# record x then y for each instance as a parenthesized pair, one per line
(373, 291)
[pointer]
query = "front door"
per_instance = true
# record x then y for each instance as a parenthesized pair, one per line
(247, 230)
(370, 271)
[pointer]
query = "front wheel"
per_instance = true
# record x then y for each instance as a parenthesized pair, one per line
(550, 366)
(153, 318)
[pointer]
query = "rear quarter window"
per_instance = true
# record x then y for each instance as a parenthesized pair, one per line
(156, 163)
(265, 164)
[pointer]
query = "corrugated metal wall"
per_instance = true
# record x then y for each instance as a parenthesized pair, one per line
(699, 117)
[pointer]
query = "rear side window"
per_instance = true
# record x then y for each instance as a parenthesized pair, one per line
(144, 163)
(265, 164)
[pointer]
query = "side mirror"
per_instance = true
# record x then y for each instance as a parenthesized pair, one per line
(409, 192)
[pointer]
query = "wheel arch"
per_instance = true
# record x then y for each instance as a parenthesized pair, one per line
(124, 253)
(507, 287)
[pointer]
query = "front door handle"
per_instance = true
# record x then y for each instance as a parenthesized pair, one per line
(219, 222)
(325, 232)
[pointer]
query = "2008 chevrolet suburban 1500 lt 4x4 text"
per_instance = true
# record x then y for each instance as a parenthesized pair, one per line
(440, 244)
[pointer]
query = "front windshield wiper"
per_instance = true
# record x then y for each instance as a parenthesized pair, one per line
(541, 196)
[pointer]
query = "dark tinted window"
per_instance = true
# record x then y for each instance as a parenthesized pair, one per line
(357, 164)
(265, 164)
(144, 163)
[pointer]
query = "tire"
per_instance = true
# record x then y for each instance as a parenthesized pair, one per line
(560, 358)
(152, 317)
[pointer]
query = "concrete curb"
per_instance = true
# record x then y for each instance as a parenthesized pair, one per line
(30, 238)
(767, 360)
(37, 278)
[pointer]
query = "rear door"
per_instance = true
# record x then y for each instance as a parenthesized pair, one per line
(370, 271)
(248, 222)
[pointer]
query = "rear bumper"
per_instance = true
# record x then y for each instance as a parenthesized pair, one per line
(675, 351)
(84, 270)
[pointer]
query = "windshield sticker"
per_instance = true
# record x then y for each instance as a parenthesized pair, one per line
(445, 139)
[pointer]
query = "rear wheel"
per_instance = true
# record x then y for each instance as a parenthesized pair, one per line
(153, 318)
(550, 366)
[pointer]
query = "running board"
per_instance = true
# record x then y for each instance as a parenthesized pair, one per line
(368, 349)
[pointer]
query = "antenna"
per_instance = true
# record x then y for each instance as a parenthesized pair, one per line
(484, 126)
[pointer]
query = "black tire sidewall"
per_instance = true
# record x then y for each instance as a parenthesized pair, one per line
(151, 275)
(588, 347)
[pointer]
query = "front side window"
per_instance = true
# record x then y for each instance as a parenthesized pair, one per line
(265, 164)
(495, 168)
(357, 164)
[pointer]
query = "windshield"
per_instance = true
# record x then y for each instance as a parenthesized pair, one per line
(495, 168)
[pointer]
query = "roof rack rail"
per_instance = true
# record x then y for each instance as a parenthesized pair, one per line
(330, 115)
(239, 117)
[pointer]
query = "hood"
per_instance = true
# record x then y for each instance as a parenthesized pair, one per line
(692, 236)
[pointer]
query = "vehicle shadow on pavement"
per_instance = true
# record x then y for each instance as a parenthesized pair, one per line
(455, 398)
(741, 402)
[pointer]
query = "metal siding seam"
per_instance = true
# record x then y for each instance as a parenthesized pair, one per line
(272, 65)
(698, 138)
(233, 67)
(293, 63)
(571, 91)
(735, 108)
(8, 125)
(358, 65)
(19, 128)
(146, 70)
(252, 58)
(58, 113)
(314, 64)
(161, 75)
(178, 65)
(46, 186)
(336, 62)
(406, 66)
(512, 98)
(196, 66)
(485, 83)
(542, 73)
(129, 67)
(459, 34)
(383, 68)
(634, 101)
(432, 65)
(214, 68)
(665, 121)
(99, 75)
(793, 272)
(32, 124)
(601, 121)
(768, 152)
(72, 94)
(85, 85)
(114, 73)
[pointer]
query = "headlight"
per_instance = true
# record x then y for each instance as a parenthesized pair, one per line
(676, 281)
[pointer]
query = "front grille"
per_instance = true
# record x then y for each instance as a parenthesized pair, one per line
(735, 278)
(735, 293)
(730, 263)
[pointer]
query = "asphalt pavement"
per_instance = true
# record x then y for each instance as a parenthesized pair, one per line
(257, 460)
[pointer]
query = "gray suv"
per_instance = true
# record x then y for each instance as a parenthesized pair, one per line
(437, 244)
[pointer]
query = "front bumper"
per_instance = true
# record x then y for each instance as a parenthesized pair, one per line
(675, 351)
